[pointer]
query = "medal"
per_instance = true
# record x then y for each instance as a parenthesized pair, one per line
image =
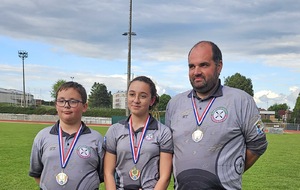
(61, 178)
(197, 135)
(134, 173)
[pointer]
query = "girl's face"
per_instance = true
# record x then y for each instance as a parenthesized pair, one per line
(71, 112)
(139, 98)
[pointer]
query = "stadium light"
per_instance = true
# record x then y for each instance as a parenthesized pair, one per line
(129, 34)
(23, 54)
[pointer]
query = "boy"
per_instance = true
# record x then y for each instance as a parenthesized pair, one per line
(68, 155)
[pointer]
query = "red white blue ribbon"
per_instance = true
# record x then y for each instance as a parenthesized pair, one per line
(65, 158)
(200, 119)
(135, 150)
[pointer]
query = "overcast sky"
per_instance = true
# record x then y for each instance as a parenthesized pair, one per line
(83, 39)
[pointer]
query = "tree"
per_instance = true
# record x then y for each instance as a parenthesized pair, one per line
(163, 101)
(296, 111)
(99, 96)
(55, 87)
(241, 82)
(277, 107)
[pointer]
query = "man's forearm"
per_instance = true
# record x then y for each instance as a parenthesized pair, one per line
(251, 158)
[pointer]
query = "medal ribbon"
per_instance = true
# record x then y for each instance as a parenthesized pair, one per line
(200, 119)
(65, 158)
(136, 151)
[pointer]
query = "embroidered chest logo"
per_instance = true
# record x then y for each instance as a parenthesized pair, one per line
(52, 148)
(84, 151)
(219, 115)
(149, 136)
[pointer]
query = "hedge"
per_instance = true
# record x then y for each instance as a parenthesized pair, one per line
(50, 110)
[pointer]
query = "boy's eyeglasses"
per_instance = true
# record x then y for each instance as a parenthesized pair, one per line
(72, 103)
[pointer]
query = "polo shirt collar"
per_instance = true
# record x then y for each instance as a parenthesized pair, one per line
(151, 126)
(84, 129)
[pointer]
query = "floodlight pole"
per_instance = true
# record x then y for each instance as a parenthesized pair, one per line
(23, 54)
(129, 34)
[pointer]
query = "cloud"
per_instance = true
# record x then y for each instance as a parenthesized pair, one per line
(267, 98)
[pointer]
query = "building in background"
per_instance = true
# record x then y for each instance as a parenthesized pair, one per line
(119, 100)
(13, 96)
(270, 115)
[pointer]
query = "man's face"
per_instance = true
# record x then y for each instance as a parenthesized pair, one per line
(203, 71)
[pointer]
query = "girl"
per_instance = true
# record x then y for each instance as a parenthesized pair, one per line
(139, 149)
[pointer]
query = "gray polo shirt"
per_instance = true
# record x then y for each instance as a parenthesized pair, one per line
(158, 138)
(230, 126)
(84, 168)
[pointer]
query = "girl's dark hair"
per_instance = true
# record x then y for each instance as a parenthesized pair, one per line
(78, 87)
(151, 84)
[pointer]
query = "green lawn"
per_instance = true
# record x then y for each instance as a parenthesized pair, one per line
(278, 168)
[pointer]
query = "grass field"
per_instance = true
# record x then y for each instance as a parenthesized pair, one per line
(278, 168)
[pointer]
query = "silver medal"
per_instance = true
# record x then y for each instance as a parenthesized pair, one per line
(62, 178)
(197, 135)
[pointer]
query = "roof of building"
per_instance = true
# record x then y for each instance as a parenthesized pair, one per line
(11, 91)
(267, 112)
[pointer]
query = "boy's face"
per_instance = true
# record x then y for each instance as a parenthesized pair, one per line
(70, 114)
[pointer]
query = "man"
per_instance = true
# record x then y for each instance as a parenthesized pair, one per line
(215, 127)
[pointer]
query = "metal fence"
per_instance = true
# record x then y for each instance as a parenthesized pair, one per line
(285, 126)
(279, 128)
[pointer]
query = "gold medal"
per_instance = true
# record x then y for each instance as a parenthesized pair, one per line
(62, 178)
(134, 173)
(197, 135)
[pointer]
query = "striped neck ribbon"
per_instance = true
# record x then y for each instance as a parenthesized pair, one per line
(135, 150)
(65, 158)
(200, 119)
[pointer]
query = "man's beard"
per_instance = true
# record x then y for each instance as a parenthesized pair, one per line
(207, 86)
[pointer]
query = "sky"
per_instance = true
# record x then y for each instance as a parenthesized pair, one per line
(83, 41)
